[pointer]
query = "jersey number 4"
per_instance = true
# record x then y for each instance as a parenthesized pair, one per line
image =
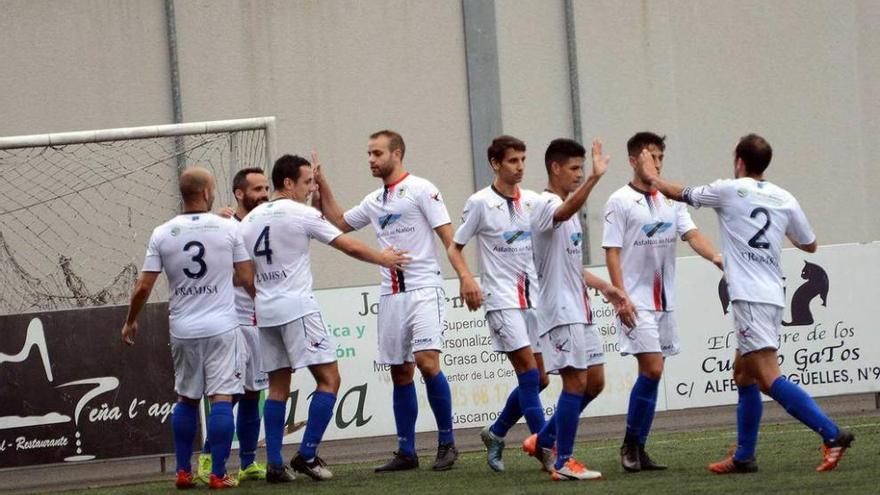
(265, 250)
(759, 241)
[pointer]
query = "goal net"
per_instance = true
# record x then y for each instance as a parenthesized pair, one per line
(77, 209)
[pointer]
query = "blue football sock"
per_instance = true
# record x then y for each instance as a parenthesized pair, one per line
(206, 448)
(184, 422)
(529, 400)
(221, 427)
(568, 412)
(320, 413)
(440, 399)
(547, 435)
(508, 416)
(247, 426)
(748, 419)
(406, 410)
(800, 405)
(642, 401)
(273, 419)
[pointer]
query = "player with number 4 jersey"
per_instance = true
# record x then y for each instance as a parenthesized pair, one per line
(755, 217)
(292, 333)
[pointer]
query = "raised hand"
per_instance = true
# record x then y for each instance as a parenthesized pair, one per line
(647, 167)
(226, 212)
(316, 168)
(600, 162)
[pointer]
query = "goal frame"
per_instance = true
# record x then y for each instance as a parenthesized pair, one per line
(267, 124)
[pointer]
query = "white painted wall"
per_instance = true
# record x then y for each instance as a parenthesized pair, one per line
(803, 73)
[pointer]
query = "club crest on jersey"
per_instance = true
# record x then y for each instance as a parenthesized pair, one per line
(174, 231)
(401, 192)
(516, 235)
(652, 229)
(576, 238)
(529, 206)
(388, 220)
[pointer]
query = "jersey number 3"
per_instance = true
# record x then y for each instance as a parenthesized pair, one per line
(266, 251)
(759, 241)
(198, 258)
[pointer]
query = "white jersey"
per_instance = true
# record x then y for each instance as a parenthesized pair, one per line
(501, 225)
(277, 235)
(244, 305)
(405, 215)
(646, 226)
(197, 252)
(557, 253)
(755, 216)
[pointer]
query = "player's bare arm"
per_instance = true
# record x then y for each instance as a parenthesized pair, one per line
(139, 296)
(648, 172)
(575, 201)
(469, 289)
(244, 276)
(701, 245)
(617, 297)
(326, 201)
(388, 257)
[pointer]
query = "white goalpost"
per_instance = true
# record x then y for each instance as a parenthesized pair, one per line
(76, 208)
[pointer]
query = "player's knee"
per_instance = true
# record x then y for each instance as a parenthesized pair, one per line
(653, 372)
(401, 374)
(429, 369)
(595, 386)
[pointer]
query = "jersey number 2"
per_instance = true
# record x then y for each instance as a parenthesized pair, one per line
(199, 258)
(266, 251)
(758, 240)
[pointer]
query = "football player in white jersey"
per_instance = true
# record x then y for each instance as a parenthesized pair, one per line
(250, 188)
(406, 212)
(498, 216)
(292, 333)
(755, 217)
(641, 228)
(571, 345)
(202, 255)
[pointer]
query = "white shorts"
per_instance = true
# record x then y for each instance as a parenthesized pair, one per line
(513, 329)
(654, 332)
(410, 322)
(757, 326)
(255, 378)
(576, 346)
(208, 366)
(297, 344)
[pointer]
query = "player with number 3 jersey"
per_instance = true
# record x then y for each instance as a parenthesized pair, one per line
(202, 255)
